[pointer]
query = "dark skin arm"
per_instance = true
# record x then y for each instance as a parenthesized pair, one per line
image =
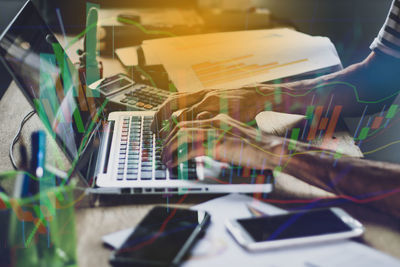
(352, 177)
(373, 83)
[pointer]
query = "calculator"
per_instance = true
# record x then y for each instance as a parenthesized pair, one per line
(125, 94)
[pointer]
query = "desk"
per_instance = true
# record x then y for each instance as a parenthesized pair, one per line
(382, 231)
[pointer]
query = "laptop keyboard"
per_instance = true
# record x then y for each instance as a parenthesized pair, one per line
(140, 153)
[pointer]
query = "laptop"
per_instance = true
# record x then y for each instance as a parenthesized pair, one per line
(115, 153)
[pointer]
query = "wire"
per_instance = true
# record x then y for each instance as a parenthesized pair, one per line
(18, 135)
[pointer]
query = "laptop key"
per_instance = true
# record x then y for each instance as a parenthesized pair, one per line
(160, 167)
(147, 169)
(160, 175)
(147, 159)
(131, 176)
(147, 163)
(146, 175)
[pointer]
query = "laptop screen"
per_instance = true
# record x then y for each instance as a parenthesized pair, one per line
(49, 80)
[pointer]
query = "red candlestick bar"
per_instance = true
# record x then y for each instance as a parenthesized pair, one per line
(323, 124)
(333, 122)
(314, 124)
(376, 123)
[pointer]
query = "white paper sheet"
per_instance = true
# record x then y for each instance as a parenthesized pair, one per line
(234, 59)
(128, 56)
(218, 248)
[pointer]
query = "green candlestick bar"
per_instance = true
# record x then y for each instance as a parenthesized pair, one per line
(338, 154)
(278, 95)
(363, 133)
(294, 137)
(267, 106)
(392, 111)
(182, 155)
(309, 112)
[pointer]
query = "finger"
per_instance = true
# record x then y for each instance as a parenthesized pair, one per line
(189, 142)
(181, 126)
(236, 152)
(221, 122)
(171, 123)
(215, 123)
(174, 103)
(163, 113)
(204, 115)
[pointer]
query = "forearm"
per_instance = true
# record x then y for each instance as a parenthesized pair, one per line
(361, 179)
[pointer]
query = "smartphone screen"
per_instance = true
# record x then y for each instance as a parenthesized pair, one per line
(161, 236)
(294, 225)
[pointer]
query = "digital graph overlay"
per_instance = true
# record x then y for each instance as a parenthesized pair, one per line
(214, 73)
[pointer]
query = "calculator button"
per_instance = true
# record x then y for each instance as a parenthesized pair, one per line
(148, 106)
(140, 104)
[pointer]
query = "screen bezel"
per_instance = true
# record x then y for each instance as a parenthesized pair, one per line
(246, 240)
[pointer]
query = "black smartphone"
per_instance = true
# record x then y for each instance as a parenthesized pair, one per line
(162, 238)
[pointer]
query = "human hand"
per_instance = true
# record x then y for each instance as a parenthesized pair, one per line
(224, 139)
(241, 104)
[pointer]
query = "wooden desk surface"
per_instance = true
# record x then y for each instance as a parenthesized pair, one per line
(382, 231)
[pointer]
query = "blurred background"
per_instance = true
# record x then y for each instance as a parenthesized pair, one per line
(351, 24)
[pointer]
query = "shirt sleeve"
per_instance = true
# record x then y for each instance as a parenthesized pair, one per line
(388, 39)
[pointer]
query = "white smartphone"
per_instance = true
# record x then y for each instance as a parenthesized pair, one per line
(294, 228)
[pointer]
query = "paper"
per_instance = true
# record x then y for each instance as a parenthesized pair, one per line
(350, 254)
(234, 59)
(218, 248)
(128, 56)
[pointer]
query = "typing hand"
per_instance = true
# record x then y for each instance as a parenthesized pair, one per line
(241, 104)
(222, 138)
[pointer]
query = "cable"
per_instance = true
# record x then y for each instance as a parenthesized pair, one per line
(18, 135)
